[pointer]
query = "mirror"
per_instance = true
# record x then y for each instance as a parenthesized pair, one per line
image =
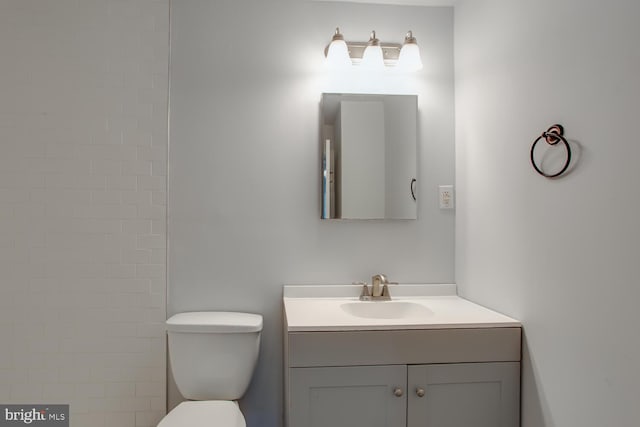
(368, 145)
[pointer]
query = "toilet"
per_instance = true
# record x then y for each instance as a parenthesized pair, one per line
(213, 355)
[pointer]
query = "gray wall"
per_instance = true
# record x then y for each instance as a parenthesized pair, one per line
(561, 255)
(244, 162)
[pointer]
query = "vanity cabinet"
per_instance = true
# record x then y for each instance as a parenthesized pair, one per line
(396, 378)
(349, 396)
(464, 395)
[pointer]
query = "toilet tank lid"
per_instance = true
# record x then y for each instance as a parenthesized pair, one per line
(214, 321)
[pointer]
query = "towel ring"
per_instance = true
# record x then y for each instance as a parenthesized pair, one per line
(552, 136)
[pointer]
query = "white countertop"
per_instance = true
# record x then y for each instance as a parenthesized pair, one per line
(322, 308)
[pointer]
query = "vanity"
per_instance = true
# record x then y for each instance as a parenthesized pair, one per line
(425, 358)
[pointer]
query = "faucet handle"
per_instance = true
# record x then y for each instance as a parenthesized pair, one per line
(365, 295)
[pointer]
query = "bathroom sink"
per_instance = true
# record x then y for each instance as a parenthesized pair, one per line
(385, 309)
(325, 308)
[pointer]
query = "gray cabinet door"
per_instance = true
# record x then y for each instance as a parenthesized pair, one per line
(464, 395)
(354, 396)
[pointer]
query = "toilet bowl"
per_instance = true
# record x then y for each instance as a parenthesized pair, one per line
(213, 355)
(207, 413)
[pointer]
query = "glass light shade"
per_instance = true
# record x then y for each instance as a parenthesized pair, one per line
(338, 55)
(409, 58)
(372, 58)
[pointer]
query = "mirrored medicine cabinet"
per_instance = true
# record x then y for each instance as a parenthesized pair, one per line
(369, 158)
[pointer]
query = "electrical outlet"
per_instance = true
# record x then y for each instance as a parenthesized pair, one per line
(446, 196)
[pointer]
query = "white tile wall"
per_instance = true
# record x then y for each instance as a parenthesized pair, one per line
(83, 162)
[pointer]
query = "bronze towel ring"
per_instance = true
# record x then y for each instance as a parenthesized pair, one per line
(552, 136)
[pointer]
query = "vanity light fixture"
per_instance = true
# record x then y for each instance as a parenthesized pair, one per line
(410, 54)
(373, 58)
(337, 52)
(373, 55)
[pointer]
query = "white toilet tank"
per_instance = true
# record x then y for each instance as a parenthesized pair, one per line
(213, 354)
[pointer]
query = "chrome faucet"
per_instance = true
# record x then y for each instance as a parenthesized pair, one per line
(379, 289)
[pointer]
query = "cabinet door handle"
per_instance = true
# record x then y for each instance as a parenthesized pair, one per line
(412, 186)
(397, 392)
(420, 392)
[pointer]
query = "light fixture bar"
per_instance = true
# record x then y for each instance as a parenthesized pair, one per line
(390, 52)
